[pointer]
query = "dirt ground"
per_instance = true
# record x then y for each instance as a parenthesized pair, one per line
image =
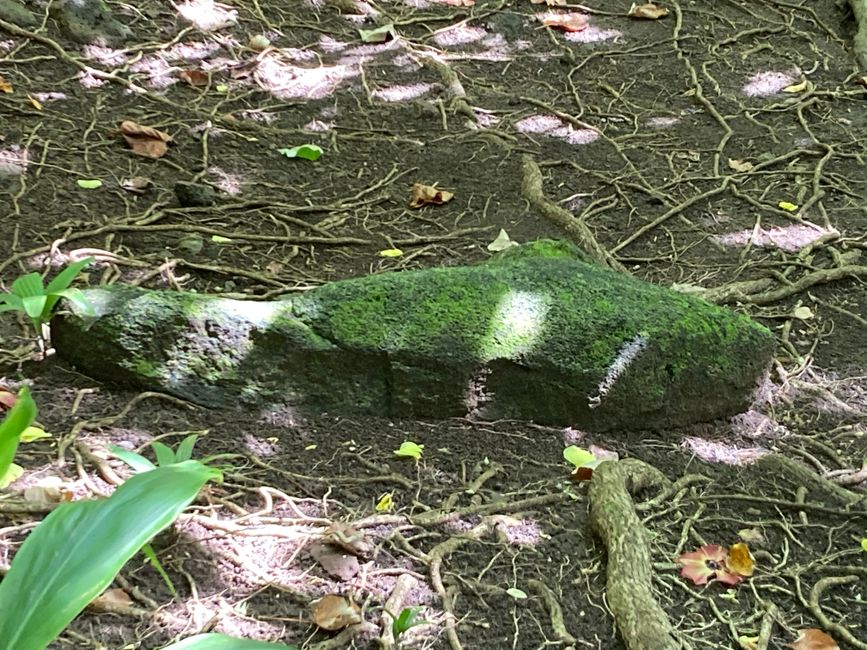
(723, 143)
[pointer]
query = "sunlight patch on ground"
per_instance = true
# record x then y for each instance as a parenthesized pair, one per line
(402, 93)
(788, 238)
(207, 15)
(460, 34)
(768, 83)
(721, 452)
(231, 184)
(107, 56)
(554, 127)
(662, 122)
(87, 79)
(13, 160)
(286, 81)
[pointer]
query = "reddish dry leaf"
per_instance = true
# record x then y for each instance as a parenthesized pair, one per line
(333, 612)
(7, 399)
(428, 195)
(706, 563)
(195, 77)
(567, 22)
(647, 11)
(111, 600)
(5, 86)
(145, 140)
(739, 560)
(335, 561)
(813, 639)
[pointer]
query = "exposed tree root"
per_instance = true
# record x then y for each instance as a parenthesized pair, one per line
(641, 621)
(859, 42)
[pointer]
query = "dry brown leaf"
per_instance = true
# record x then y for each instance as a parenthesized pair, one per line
(145, 140)
(333, 612)
(5, 86)
(740, 165)
(567, 22)
(813, 639)
(336, 562)
(648, 11)
(348, 538)
(753, 536)
(195, 77)
(739, 560)
(428, 195)
(111, 600)
(136, 184)
(50, 489)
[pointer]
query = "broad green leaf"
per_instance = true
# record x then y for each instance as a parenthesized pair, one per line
(864, 544)
(31, 434)
(517, 594)
(73, 295)
(17, 419)
(577, 456)
(34, 306)
(409, 450)
(223, 642)
(138, 462)
(67, 275)
(378, 35)
(788, 207)
(87, 184)
(185, 449)
(391, 252)
(219, 239)
(79, 548)
(165, 455)
(9, 302)
(221, 88)
(306, 151)
(28, 286)
(12, 474)
(405, 621)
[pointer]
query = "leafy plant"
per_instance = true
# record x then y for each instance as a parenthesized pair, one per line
(75, 553)
(405, 621)
(165, 455)
(30, 296)
(223, 642)
(16, 422)
(409, 449)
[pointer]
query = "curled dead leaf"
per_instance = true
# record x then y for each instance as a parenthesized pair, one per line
(111, 600)
(739, 560)
(428, 195)
(145, 140)
(195, 77)
(648, 11)
(740, 166)
(333, 612)
(571, 22)
(813, 639)
(136, 184)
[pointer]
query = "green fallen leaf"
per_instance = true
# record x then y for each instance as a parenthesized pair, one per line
(391, 252)
(864, 544)
(219, 239)
(221, 88)
(305, 151)
(33, 433)
(89, 184)
(12, 474)
(517, 594)
(577, 456)
(409, 450)
(501, 243)
(788, 207)
(378, 35)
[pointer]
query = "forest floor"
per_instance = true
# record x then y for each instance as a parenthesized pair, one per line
(723, 143)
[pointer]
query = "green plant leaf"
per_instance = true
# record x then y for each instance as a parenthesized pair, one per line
(165, 455)
(28, 286)
(223, 642)
(10, 302)
(34, 306)
(79, 547)
(148, 551)
(88, 184)
(405, 621)
(517, 594)
(12, 474)
(75, 296)
(219, 239)
(391, 252)
(577, 456)
(864, 544)
(378, 35)
(409, 449)
(32, 434)
(138, 462)
(306, 151)
(185, 449)
(18, 418)
(67, 275)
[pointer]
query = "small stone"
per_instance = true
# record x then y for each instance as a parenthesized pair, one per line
(194, 195)
(259, 42)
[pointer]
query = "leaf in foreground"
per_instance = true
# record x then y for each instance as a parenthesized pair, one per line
(78, 549)
(223, 642)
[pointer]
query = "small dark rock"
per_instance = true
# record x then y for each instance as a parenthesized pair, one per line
(194, 195)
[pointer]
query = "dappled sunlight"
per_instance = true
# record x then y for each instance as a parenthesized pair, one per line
(554, 127)
(788, 238)
(402, 93)
(231, 184)
(662, 122)
(107, 56)
(764, 84)
(593, 34)
(460, 34)
(286, 81)
(515, 326)
(207, 15)
(714, 451)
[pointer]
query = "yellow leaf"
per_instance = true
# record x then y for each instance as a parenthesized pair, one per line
(409, 450)
(12, 474)
(788, 207)
(5, 86)
(391, 252)
(796, 88)
(36, 103)
(739, 560)
(385, 503)
(33, 433)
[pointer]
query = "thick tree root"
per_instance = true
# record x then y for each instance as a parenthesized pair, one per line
(859, 42)
(639, 617)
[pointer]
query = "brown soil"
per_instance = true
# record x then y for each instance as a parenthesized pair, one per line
(641, 130)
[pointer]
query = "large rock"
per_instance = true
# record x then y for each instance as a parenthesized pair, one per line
(534, 334)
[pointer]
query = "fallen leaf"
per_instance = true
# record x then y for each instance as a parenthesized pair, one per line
(195, 77)
(752, 536)
(409, 450)
(457, 3)
(648, 11)
(378, 35)
(862, 81)
(572, 22)
(740, 165)
(5, 86)
(739, 560)
(13, 473)
(274, 268)
(35, 102)
(796, 88)
(517, 594)
(50, 489)
(219, 239)
(501, 243)
(333, 612)
(391, 252)
(144, 140)
(864, 544)
(788, 207)
(221, 88)
(748, 642)
(428, 195)
(803, 313)
(813, 639)
(385, 503)
(136, 184)
(550, 3)
(348, 538)
(31, 434)
(707, 562)
(111, 600)
(89, 184)
(305, 151)
(334, 561)
(577, 456)
(601, 453)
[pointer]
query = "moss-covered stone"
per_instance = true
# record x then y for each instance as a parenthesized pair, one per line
(536, 333)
